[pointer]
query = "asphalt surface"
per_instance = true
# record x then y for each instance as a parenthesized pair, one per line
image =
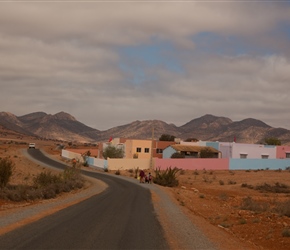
(121, 217)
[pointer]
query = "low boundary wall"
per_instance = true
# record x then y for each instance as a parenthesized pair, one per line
(271, 164)
(186, 164)
(193, 164)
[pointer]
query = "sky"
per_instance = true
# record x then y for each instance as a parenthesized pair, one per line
(109, 63)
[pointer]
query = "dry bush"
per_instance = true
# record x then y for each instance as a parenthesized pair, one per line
(283, 208)
(249, 204)
(276, 188)
(46, 186)
(6, 170)
(167, 177)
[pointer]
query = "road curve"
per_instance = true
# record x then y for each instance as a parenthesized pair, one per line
(121, 217)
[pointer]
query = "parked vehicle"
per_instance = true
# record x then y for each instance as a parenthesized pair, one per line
(31, 145)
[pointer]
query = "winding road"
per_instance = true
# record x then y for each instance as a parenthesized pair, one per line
(121, 217)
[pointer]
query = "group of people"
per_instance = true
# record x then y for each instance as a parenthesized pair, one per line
(145, 178)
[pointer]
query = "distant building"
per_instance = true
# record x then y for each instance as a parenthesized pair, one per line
(189, 151)
(247, 151)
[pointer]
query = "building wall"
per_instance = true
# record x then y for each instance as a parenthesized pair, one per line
(281, 151)
(212, 144)
(94, 151)
(226, 149)
(161, 145)
(132, 145)
(193, 164)
(253, 151)
(124, 164)
(245, 164)
(71, 155)
(167, 152)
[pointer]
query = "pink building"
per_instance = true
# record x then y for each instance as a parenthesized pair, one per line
(283, 152)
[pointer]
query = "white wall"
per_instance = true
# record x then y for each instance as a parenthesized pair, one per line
(253, 151)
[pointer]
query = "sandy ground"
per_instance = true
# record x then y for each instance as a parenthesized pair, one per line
(211, 199)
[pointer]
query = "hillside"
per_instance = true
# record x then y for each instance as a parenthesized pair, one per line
(63, 126)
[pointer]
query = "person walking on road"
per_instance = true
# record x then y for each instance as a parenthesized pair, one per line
(142, 175)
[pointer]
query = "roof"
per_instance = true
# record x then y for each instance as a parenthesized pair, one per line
(188, 148)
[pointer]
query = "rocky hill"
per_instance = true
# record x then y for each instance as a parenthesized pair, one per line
(63, 126)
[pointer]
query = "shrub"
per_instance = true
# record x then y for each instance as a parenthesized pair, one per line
(249, 204)
(221, 182)
(45, 178)
(166, 177)
(245, 185)
(286, 232)
(276, 188)
(117, 172)
(231, 182)
(6, 170)
(242, 221)
(223, 196)
(182, 172)
(283, 208)
(70, 174)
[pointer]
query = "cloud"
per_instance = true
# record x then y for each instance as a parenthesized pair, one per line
(110, 63)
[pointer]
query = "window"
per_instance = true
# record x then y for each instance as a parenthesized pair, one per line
(265, 156)
(243, 156)
(146, 150)
(159, 150)
(138, 150)
(287, 155)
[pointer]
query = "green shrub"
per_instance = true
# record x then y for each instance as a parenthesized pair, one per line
(6, 170)
(167, 177)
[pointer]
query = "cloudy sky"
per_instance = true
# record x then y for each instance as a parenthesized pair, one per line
(109, 63)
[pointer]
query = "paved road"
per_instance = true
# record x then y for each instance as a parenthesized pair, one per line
(121, 217)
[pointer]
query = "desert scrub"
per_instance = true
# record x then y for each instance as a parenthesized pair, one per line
(286, 232)
(249, 204)
(166, 177)
(45, 186)
(6, 170)
(276, 188)
(283, 208)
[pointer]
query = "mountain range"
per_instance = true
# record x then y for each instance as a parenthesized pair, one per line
(63, 126)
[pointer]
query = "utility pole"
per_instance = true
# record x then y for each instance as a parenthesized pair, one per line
(152, 144)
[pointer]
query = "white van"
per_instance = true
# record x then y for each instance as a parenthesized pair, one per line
(31, 145)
